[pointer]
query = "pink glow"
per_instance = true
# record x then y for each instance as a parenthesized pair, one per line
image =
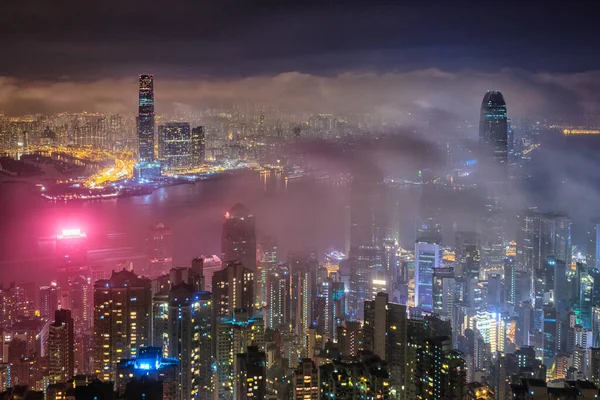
(71, 233)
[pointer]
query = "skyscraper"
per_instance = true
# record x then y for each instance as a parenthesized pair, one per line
(233, 289)
(160, 250)
(427, 258)
(239, 237)
(146, 119)
(493, 153)
(198, 146)
(493, 131)
(61, 343)
(190, 340)
(122, 308)
(175, 145)
(385, 334)
(234, 335)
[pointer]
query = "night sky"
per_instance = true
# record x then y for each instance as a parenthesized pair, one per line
(328, 56)
(225, 38)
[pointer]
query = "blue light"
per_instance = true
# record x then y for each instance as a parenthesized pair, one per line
(471, 162)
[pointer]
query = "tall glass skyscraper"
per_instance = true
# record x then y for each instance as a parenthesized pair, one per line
(146, 119)
(493, 155)
(493, 135)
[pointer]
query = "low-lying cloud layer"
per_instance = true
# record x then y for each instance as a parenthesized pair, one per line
(392, 94)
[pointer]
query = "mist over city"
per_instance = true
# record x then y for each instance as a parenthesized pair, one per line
(299, 200)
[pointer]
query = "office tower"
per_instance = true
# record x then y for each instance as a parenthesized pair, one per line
(302, 299)
(48, 300)
(61, 343)
(560, 283)
(338, 380)
(443, 292)
(197, 146)
(549, 335)
(493, 130)
(385, 335)
(233, 289)
(468, 254)
(239, 237)
(544, 237)
(350, 338)
(233, 336)
(250, 374)
(367, 228)
(190, 339)
(122, 307)
(267, 262)
(586, 306)
(175, 145)
(510, 281)
(146, 119)
(427, 258)
(210, 264)
(429, 226)
(278, 297)
(306, 381)
(160, 250)
(149, 366)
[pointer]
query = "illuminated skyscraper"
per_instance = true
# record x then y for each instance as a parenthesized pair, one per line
(146, 119)
(198, 146)
(444, 286)
(385, 335)
(493, 131)
(61, 345)
(278, 299)
(239, 237)
(233, 289)
(190, 340)
(48, 300)
(175, 145)
(122, 308)
(233, 336)
(427, 258)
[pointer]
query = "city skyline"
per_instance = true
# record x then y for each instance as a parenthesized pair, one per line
(310, 201)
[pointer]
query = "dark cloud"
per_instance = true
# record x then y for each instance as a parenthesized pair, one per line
(450, 98)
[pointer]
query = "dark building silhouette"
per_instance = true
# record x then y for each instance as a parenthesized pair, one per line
(239, 237)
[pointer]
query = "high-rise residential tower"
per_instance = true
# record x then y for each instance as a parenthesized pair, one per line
(122, 309)
(146, 119)
(60, 347)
